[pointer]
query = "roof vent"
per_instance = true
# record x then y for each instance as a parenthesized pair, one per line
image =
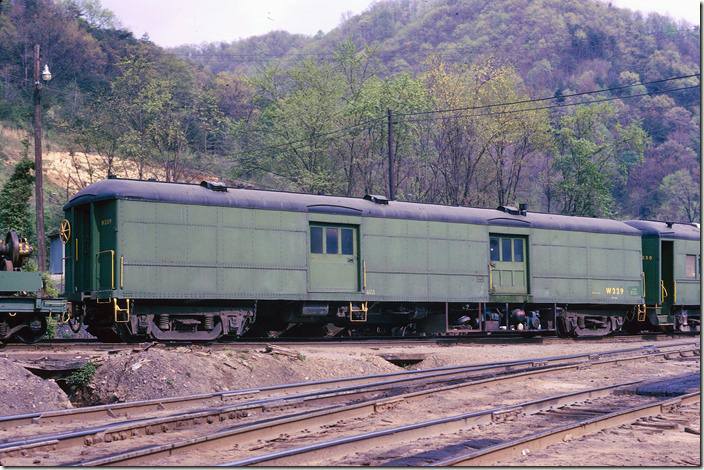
(112, 177)
(377, 199)
(523, 208)
(509, 210)
(151, 179)
(669, 224)
(214, 186)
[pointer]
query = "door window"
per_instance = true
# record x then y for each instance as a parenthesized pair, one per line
(506, 249)
(331, 240)
(494, 249)
(316, 239)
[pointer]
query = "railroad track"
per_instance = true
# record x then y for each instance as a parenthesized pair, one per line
(510, 337)
(596, 419)
(564, 406)
(314, 405)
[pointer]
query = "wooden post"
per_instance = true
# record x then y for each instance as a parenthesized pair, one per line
(391, 154)
(38, 171)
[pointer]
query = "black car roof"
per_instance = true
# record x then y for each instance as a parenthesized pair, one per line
(652, 228)
(184, 193)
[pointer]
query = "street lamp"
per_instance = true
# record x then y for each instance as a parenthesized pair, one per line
(38, 171)
(46, 75)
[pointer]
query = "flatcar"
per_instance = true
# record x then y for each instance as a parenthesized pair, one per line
(149, 260)
(23, 310)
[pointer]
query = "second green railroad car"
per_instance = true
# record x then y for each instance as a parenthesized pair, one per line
(171, 261)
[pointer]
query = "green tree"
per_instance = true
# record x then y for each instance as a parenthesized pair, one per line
(154, 99)
(14, 201)
(680, 196)
(513, 136)
(300, 110)
(134, 97)
(99, 128)
(594, 152)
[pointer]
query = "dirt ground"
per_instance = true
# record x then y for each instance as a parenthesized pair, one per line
(24, 392)
(139, 374)
(144, 373)
(159, 372)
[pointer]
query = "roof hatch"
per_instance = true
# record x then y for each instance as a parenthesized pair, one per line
(377, 199)
(214, 186)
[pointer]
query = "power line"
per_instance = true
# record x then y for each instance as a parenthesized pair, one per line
(563, 105)
(324, 134)
(549, 98)
(303, 147)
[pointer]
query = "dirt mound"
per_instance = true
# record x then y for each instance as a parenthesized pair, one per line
(159, 372)
(24, 392)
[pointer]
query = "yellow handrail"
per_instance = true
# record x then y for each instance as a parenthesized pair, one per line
(491, 277)
(642, 311)
(642, 274)
(364, 308)
(118, 310)
(364, 275)
(122, 271)
(674, 294)
(663, 291)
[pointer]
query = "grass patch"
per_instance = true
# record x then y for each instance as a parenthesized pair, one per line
(81, 376)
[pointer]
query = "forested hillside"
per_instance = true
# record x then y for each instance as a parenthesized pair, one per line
(572, 107)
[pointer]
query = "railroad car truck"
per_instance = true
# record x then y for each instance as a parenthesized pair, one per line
(174, 261)
(23, 311)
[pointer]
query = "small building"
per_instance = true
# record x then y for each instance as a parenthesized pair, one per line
(56, 255)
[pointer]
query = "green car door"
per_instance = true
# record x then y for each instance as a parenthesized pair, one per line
(507, 269)
(333, 259)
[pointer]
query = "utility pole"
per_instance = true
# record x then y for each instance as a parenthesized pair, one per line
(391, 154)
(38, 171)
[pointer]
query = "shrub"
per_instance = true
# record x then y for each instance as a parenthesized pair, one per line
(81, 376)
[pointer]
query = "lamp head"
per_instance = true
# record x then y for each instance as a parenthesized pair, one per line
(46, 75)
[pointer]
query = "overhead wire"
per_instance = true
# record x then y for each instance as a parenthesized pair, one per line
(533, 100)
(480, 115)
(324, 134)
(561, 105)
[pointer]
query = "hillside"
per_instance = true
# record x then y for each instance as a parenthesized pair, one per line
(553, 44)
(602, 116)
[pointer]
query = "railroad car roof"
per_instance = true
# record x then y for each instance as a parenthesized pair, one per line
(651, 228)
(184, 193)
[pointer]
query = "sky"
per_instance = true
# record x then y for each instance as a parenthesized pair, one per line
(174, 22)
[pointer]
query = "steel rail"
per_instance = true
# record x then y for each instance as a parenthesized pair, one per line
(338, 447)
(274, 427)
(494, 336)
(493, 454)
(152, 425)
(113, 410)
